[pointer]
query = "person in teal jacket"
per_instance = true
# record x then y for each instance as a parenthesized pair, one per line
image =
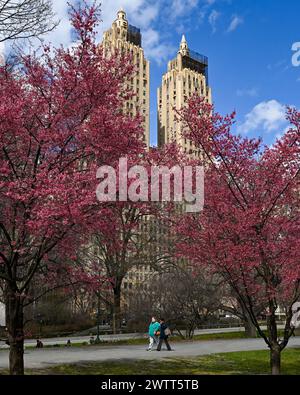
(153, 333)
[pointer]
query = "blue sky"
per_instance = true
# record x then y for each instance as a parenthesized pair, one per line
(248, 42)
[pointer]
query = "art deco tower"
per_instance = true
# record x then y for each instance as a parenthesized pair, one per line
(127, 39)
(187, 74)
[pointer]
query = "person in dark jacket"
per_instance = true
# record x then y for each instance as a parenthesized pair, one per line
(39, 344)
(163, 337)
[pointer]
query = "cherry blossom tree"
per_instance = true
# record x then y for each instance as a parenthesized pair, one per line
(60, 118)
(249, 231)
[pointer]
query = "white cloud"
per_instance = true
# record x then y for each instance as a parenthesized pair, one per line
(62, 33)
(235, 22)
(267, 116)
(154, 48)
(145, 15)
(212, 19)
(253, 92)
(182, 7)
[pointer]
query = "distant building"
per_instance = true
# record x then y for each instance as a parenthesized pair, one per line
(187, 74)
(128, 39)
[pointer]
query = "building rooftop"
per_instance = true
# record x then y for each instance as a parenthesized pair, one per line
(134, 29)
(193, 60)
(199, 58)
(134, 35)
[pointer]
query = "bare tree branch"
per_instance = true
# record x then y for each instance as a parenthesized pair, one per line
(23, 19)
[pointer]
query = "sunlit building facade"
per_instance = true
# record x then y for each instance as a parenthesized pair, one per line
(187, 75)
(128, 40)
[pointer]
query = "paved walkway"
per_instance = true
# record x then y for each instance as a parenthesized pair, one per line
(124, 336)
(39, 358)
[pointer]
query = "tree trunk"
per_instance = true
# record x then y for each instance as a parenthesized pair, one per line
(117, 311)
(250, 329)
(15, 329)
(275, 354)
(275, 360)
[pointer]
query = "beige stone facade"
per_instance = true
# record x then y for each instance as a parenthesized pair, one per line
(187, 74)
(127, 39)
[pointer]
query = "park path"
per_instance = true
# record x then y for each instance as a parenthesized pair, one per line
(40, 358)
(124, 336)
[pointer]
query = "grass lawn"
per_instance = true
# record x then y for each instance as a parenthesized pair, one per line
(236, 363)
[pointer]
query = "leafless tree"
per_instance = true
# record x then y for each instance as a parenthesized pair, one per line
(186, 299)
(24, 19)
(232, 304)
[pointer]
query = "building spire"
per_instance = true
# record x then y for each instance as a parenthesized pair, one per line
(121, 13)
(183, 49)
(121, 18)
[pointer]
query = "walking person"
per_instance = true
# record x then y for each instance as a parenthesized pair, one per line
(164, 334)
(153, 331)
